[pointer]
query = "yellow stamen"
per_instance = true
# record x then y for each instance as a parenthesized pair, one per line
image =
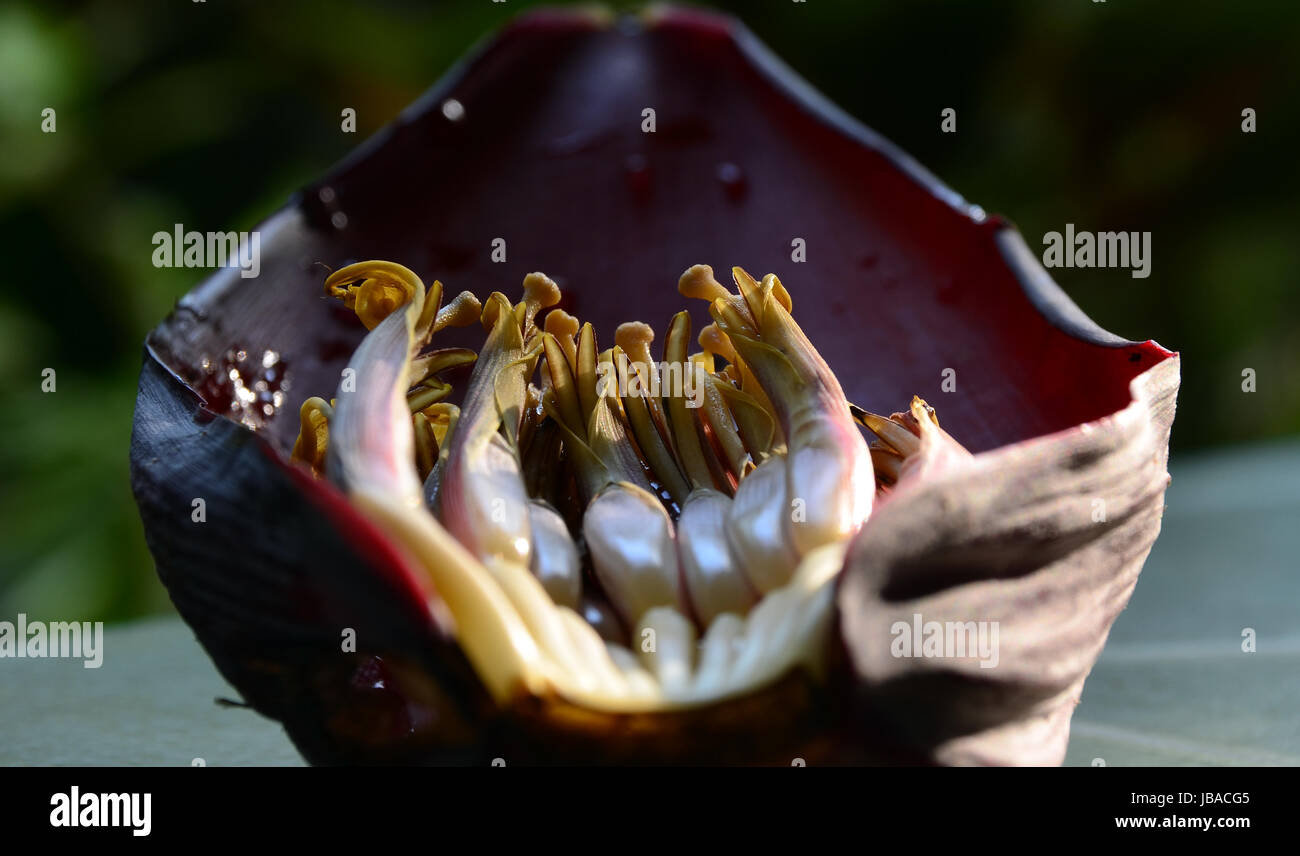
(442, 416)
(426, 445)
(313, 435)
(426, 394)
(782, 296)
(587, 371)
(895, 435)
(564, 327)
(699, 282)
(685, 436)
(540, 292)
(714, 341)
(635, 337)
(462, 311)
(373, 289)
(563, 387)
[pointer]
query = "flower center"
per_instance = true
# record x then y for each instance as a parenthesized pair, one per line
(633, 534)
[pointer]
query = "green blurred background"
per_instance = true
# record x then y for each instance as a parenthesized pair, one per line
(1120, 115)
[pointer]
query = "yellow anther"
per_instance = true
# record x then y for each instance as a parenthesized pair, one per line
(703, 360)
(588, 360)
(729, 318)
(699, 282)
(563, 327)
(782, 296)
(492, 309)
(750, 290)
(563, 387)
(373, 289)
(442, 417)
(313, 433)
(634, 337)
(426, 445)
(430, 392)
(894, 434)
(540, 292)
(463, 310)
(920, 408)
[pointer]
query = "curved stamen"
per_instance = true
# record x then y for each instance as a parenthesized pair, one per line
(723, 425)
(373, 289)
(540, 292)
(635, 337)
(685, 436)
(636, 406)
(313, 435)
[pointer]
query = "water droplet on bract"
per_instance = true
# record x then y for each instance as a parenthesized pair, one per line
(327, 195)
(733, 181)
(339, 220)
(453, 110)
(243, 385)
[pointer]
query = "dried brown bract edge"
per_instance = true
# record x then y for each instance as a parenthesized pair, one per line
(628, 533)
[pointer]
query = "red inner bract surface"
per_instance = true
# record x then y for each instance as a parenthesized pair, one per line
(901, 281)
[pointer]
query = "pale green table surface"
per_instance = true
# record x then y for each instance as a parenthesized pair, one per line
(1172, 687)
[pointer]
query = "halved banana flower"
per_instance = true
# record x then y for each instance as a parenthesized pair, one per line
(446, 669)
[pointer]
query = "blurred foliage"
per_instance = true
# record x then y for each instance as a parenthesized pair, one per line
(1106, 115)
